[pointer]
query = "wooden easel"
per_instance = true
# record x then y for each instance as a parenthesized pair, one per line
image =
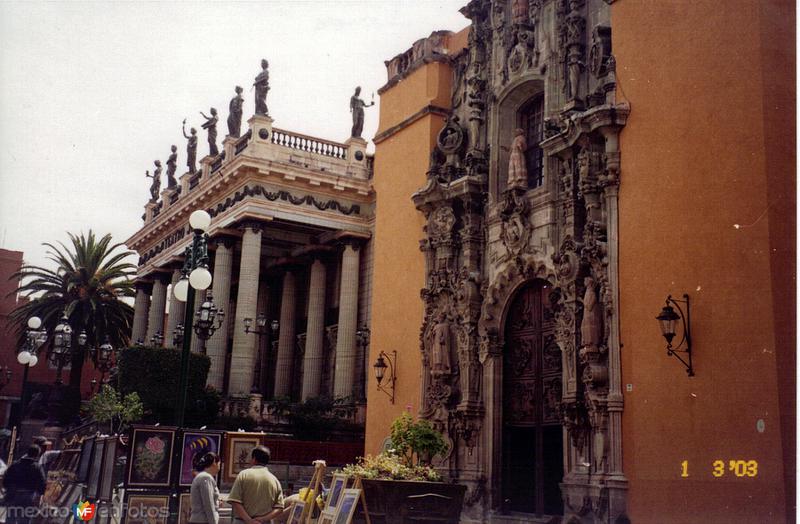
(357, 485)
(315, 483)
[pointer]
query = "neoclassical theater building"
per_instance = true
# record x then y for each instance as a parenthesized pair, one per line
(290, 241)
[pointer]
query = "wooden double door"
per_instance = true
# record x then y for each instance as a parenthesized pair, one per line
(532, 452)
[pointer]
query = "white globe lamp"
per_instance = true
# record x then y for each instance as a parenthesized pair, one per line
(181, 289)
(200, 219)
(200, 278)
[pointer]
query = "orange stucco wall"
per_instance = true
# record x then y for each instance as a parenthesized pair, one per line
(705, 199)
(401, 161)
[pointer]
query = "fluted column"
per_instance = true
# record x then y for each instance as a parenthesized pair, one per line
(312, 363)
(348, 318)
(141, 307)
(216, 346)
(155, 321)
(176, 309)
(244, 356)
(286, 338)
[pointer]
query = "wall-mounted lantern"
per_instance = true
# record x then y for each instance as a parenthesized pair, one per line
(384, 362)
(668, 320)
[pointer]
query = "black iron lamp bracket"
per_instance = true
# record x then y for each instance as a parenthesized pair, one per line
(685, 345)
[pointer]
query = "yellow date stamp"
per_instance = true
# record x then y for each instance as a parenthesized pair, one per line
(733, 467)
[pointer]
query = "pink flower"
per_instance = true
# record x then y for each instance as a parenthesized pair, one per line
(154, 444)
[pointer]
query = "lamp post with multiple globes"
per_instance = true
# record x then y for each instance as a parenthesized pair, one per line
(196, 276)
(35, 336)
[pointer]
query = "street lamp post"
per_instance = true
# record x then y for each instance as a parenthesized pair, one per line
(61, 351)
(195, 276)
(208, 319)
(34, 338)
(260, 330)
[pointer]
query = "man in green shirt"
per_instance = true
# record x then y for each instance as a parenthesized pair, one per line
(256, 495)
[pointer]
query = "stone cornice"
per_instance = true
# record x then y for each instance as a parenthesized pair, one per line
(586, 122)
(286, 194)
(427, 110)
(422, 52)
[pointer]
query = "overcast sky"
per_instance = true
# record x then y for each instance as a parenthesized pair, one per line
(92, 93)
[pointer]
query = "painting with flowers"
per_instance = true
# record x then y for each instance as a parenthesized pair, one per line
(150, 460)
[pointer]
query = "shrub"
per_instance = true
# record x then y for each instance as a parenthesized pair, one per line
(154, 373)
(419, 439)
(108, 406)
(390, 466)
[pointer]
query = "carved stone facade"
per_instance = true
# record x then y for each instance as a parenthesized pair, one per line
(546, 68)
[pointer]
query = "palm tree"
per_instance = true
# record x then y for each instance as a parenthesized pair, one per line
(88, 285)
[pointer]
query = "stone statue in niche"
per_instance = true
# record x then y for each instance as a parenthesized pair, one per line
(235, 113)
(191, 147)
(519, 11)
(211, 125)
(440, 347)
(155, 187)
(574, 26)
(517, 172)
(262, 87)
(172, 162)
(357, 108)
(591, 323)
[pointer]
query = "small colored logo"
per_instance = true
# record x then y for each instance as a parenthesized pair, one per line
(83, 511)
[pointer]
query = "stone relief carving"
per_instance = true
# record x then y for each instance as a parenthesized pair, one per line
(600, 52)
(478, 245)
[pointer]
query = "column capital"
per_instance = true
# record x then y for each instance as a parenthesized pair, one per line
(163, 277)
(224, 240)
(338, 238)
(253, 225)
(144, 285)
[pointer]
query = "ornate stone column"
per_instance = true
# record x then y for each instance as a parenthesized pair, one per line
(244, 356)
(348, 317)
(141, 307)
(176, 309)
(312, 363)
(216, 347)
(286, 338)
(155, 322)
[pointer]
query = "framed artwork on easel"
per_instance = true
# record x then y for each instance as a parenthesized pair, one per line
(150, 458)
(338, 485)
(87, 448)
(347, 506)
(238, 449)
(195, 442)
(95, 471)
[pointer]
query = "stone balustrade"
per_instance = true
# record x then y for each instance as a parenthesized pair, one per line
(281, 148)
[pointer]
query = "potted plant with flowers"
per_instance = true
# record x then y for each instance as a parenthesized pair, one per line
(401, 485)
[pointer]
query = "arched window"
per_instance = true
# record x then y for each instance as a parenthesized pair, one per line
(531, 120)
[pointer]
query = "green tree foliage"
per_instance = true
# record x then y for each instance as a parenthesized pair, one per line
(109, 406)
(154, 373)
(88, 282)
(418, 439)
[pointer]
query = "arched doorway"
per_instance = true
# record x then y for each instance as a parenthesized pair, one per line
(532, 454)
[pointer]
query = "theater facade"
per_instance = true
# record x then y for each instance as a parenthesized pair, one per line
(289, 242)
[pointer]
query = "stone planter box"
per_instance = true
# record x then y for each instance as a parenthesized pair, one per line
(405, 501)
